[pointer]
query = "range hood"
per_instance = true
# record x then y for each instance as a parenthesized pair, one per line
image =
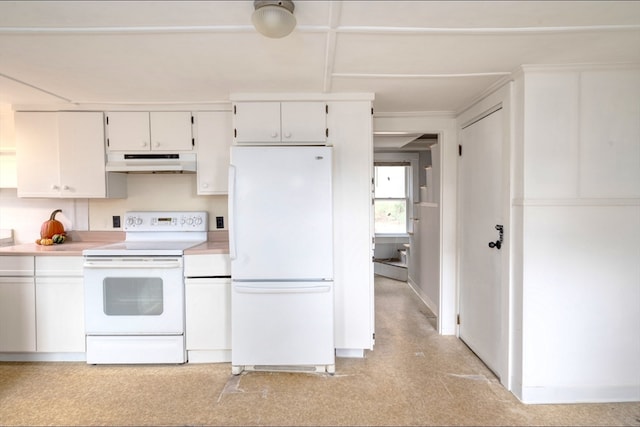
(151, 163)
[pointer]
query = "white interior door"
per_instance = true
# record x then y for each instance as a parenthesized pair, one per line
(480, 293)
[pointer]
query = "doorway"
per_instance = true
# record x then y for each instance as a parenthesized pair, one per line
(413, 253)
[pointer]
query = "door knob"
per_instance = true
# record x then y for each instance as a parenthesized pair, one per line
(498, 243)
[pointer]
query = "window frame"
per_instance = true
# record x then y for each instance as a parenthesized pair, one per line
(411, 160)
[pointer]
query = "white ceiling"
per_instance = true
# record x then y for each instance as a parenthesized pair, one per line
(416, 56)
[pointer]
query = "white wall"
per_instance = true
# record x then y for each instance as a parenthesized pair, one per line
(170, 192)
(578, 204)
(145, 192)
(426, 279)
(25, 216)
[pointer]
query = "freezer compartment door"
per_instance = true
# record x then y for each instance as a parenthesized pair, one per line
(282, 323)
(280, 206)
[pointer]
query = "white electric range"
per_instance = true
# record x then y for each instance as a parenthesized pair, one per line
(134, 289)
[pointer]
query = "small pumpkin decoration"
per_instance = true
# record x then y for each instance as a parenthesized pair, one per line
(52, 226)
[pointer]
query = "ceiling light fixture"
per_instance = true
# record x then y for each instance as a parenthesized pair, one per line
(273, 18)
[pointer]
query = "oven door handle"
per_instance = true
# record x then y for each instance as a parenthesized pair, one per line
(139, 264)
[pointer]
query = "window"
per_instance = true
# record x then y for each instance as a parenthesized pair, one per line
(391, 199)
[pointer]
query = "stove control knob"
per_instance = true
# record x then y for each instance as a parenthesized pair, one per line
(138, 221)
(198, 220)
(189, 221)
(130, 220)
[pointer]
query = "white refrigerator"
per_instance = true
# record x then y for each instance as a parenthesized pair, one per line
(281, 249)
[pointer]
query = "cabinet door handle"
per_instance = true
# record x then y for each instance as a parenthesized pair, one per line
(55, 187)
(287, 135)
(144, 143)
(66, 187)
(274, 134)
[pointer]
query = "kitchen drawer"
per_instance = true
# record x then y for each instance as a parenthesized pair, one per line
(21, 265)
(50, 266)
(207, 265)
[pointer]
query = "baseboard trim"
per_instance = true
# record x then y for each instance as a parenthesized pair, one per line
(354, 353)
(557, 395)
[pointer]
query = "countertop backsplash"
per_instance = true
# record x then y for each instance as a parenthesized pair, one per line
(25, 216)
(156, 192)
(145, 192)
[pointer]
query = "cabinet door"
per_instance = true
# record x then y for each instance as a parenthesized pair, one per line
(171, 131)
(257, 121)
(17, 314)
(213, 137)
(208, 316)
(37, 154)
(304, 121)
(8, 169)
(60, 314)
(82, 154)
(128, 131)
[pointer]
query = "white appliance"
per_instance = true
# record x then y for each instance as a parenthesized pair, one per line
(151, 162)
(134, 290)
(281, 249)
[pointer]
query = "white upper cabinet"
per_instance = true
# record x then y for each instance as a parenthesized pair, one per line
(8, 169)
(149, 131)
(280, 122)
(61, 154)
(212, 131)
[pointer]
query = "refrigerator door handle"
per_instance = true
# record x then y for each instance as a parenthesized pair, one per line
(232, 207)
(243, 289)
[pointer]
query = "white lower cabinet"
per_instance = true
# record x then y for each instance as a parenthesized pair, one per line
(17, 314)
(208, 327)
(208, 302)
(60, 314)
(59, 304)
(17, 304)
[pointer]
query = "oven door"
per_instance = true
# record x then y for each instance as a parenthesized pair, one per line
(134, 295)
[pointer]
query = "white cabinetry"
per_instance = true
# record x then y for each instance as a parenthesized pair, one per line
(8, 169)
(352, 141)
(208, 302)
(275, 122)
(149, 131)
(213, 135)
(59, 304)
(8, 173)
(61, 154)
(17, 304)
(350, 122)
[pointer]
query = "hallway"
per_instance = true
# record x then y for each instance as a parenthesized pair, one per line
(413, 377)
